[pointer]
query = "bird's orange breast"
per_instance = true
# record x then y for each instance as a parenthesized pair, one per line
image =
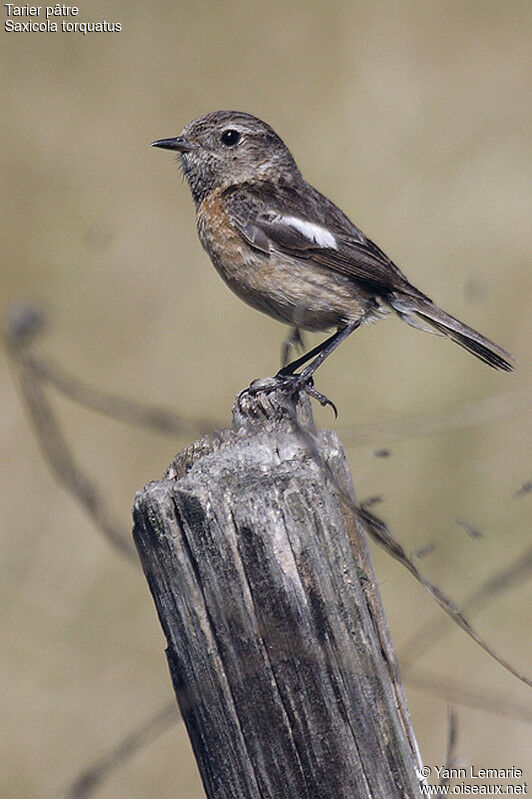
(241, 267)
(217, 235)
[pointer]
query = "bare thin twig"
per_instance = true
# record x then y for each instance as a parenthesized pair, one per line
(380, 533)
(92, 777)
(125, 410)
(53, 445)
(23, 326)
(478, 698)
(492, 409)
(425, 550)
(469, 529)
(508, 577)
(450, 758)
(525, 489)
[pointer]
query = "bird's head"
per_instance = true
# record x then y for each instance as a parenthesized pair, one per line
(225, 148)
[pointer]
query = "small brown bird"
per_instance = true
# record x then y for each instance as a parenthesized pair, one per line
(288, 251)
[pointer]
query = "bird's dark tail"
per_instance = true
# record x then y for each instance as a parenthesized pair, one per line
(424, 314)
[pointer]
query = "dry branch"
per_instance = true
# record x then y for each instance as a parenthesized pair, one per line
(496, 584)
(19, 332)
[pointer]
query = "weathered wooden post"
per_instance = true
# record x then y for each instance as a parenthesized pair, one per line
(278, 648)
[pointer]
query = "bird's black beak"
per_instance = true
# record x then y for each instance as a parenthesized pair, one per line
(179, 143)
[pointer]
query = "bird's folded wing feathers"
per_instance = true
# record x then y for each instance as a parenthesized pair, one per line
(300, 233)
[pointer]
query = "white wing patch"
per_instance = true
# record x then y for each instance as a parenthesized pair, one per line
(314, 233)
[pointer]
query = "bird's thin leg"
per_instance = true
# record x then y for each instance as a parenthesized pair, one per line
(290, 368)
(294, 339)
(328, 347)
(303, 380)
(319, 353)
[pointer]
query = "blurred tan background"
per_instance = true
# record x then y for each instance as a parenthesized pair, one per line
(413, 117)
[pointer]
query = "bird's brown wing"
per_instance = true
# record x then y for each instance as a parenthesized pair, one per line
(306, 225)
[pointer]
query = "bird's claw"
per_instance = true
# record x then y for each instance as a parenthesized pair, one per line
(308, 387)
(293, 384)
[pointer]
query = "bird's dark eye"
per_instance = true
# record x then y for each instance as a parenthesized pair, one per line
(230, 137)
